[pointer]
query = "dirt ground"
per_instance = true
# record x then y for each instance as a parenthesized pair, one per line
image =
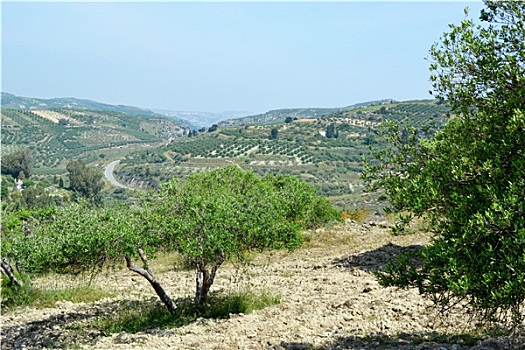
(329, 300)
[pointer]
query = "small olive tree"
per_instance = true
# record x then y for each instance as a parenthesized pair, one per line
(301, 201)
(467, 180)
(224, 213)
(208, 218)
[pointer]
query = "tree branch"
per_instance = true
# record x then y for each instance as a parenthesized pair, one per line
(148, 275)
(6, 269)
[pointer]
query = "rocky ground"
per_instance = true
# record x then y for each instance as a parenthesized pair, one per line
(329, 300)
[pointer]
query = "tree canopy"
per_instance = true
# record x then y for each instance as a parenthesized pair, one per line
(85, 181)
(208, 218)
(468, 179)
(17, 164)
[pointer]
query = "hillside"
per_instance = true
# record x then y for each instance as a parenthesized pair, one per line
(11, 101)
(280, 115)
(56, 136)
(325, 150)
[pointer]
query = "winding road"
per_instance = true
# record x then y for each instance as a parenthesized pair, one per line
(109, 174)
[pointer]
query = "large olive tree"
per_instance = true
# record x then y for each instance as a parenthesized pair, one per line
(468, 179)
(85, 181)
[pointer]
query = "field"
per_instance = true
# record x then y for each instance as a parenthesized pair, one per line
(329, 299)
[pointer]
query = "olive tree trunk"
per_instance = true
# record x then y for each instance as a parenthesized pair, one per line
(205, 277)
(150, 277)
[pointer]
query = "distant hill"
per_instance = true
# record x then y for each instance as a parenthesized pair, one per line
(11, 101)
(59, 135)
(17, 102)
(280, 115)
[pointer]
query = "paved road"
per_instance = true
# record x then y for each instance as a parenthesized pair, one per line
(109, 174)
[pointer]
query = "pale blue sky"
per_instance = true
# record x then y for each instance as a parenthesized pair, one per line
(218, 57)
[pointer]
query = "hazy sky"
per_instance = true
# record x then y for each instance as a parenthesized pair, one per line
(215, 57)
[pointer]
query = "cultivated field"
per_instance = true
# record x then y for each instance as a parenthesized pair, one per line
(329, 299)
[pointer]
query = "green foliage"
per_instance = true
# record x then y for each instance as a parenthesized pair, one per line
(7, 184)
(75, 238)
(331, 131)
(34, 197)
(16, 163)
(229, 210)
(85, 181)
(274, 134)
(468, 180)
(224, 213)
(16, 227)
(301, 201)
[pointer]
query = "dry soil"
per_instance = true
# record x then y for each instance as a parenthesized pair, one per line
(329, 300)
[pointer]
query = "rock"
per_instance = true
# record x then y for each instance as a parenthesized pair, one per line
(384, 224)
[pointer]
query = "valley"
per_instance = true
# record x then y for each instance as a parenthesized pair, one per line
(325, 147)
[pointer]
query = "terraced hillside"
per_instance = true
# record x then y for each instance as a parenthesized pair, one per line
(325, 150)
(280, 115)
(56, 136)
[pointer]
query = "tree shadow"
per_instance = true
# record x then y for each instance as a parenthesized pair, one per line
(66, 329)
(87, 324)
(408, 341)
(56, 331)
(376, 259)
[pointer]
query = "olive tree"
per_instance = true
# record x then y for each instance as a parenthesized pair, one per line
(468, 179)
(84, 180)
(302, 201)
(81, 237)
(16, 224)
(209, 218)
(224, 213)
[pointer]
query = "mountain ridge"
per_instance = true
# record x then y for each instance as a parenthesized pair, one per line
(12, 101)
(191, 119)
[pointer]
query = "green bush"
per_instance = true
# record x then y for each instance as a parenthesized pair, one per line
(210, 217)
(301, 201)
